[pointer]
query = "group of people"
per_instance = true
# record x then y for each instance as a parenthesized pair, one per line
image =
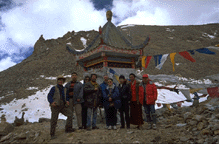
(127, 98)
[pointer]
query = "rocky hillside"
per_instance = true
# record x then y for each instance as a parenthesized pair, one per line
(184, 125)
(50, 57)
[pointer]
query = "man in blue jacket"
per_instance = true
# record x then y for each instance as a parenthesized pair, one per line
(59, 102)
(75, 92)
(103, 87)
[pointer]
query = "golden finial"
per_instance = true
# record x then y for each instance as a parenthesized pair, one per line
(109, 15)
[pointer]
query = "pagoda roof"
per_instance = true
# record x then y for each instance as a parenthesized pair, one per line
(111, 36)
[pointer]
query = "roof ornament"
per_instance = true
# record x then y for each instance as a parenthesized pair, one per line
(109, 15)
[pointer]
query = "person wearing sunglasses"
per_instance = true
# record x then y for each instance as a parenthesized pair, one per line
(111, 102)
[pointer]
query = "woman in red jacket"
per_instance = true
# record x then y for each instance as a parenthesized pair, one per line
(147, 97)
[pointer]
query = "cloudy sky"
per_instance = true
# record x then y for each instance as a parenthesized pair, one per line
(23, 21)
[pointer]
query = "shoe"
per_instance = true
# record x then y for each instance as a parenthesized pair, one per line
(128, 127)
(53, 137)
(95, 127)
(109, 127)
(139, 127)
(69, 130)
(80, 128)
(122, 127)
(154, 126)
(88, 128)
(114, 127)
(149, 126)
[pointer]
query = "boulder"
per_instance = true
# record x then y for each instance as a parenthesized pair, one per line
(5, 128)
(200, 126)
(198, 118)
(44, 120)
(20, 136)
(215, 127)
(216, 132)
(192, 122)
(187, 115)
(205, 131)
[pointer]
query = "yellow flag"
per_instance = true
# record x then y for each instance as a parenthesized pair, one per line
(143, 61)
(195, 90)
(117, 77)
(172, 56)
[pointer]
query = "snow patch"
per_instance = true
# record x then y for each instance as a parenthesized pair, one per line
(208, 35)
(168, 29)
(129, 25)
(69, 43)
(36, 106)
(84, 41)
(32, 88)
(177, 64)
(50, 78)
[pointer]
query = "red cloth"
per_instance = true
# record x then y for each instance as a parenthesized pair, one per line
(158, 104)
(133, 88)
(151, 93)
(213, 92)
(187, 56)
(147, 61)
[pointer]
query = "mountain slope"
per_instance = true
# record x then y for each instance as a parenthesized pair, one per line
(50, 57)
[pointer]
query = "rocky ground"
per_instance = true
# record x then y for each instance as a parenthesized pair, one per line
(184, 125)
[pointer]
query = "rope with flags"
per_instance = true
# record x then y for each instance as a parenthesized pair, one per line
(161, 59)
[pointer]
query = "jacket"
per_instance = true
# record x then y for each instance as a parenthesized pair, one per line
(93, 97)
(135, 91)
(151, 93)
(125, 92)
(78, 92)
(54, 95)
(114, 95)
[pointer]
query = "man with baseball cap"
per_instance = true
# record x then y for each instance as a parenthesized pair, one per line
(59, 102)
(147, 97)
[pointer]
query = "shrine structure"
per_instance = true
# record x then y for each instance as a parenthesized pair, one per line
(109, 49)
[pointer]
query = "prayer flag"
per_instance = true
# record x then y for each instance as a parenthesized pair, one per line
(157, 59)
(147, 61)
(143, 61)
(172, 56)
(205, 51)
(187, 56)
(112, 71)
(162, 61)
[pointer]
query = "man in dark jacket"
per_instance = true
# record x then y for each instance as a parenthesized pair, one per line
(84, 108)
(125, 96)
(75, 91)
(92, 101)
(59, 102)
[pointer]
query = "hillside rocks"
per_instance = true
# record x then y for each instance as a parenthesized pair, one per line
(171, 129)
(5, 128)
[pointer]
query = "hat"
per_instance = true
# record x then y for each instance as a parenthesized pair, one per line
(61, 77)
(121, 77)
(145, 76)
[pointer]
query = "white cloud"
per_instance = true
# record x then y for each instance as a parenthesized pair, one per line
(6, 63)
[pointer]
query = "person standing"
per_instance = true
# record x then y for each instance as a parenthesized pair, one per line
(135, 105)
(147, 97)
(92, 101)
(84, 108)
(103, 87)
(59, 102)
(75, 91)
(125, 96)
(111, 102)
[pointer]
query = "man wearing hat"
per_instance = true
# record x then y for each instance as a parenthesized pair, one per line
(59, 102)
(147, 97)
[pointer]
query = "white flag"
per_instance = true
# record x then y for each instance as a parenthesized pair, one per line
(162, 61)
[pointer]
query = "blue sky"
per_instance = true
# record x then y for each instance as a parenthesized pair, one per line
(23, 21)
